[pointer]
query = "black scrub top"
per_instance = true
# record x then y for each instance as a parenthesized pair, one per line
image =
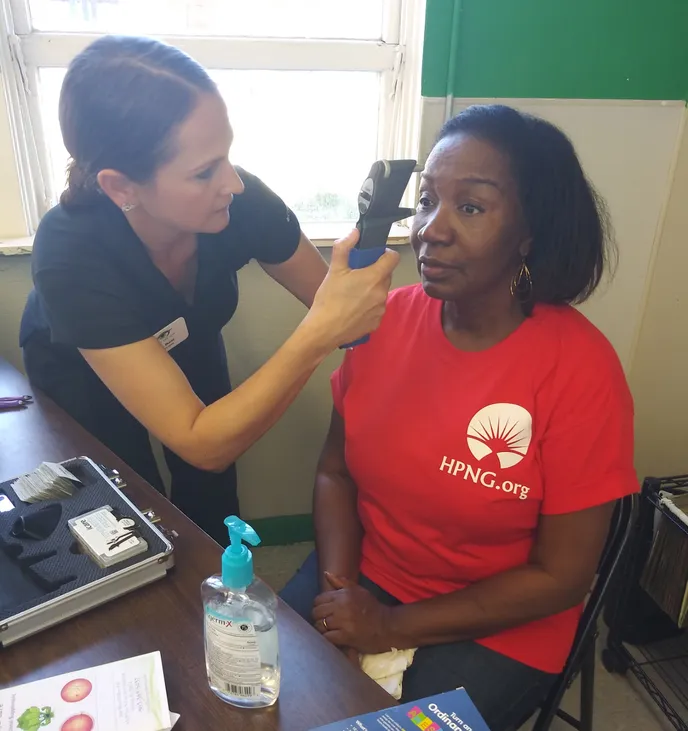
(96, 287)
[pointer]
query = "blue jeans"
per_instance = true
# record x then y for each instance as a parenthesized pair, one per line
(506, 692)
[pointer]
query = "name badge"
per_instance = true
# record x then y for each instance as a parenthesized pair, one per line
(176, 332)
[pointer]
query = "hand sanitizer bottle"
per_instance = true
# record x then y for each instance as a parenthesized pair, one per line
(240, 616)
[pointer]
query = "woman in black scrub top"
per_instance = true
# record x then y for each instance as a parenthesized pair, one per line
(135, 274)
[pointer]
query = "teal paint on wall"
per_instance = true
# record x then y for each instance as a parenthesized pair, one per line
(590, 49)
(283, 530)
(436, 47)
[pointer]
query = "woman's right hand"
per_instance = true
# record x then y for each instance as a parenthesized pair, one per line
(350, 303)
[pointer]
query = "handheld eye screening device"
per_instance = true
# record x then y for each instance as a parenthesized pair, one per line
(378, 207)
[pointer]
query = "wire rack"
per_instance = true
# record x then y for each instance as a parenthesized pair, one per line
(660, 667)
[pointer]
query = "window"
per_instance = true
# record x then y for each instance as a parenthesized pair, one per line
(316, 89)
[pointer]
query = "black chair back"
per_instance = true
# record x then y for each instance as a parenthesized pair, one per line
(620, 531)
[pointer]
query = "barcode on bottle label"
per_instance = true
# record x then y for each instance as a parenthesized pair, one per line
(232, 655)
(245, 691)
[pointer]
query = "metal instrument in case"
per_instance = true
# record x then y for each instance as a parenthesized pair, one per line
(46, 577)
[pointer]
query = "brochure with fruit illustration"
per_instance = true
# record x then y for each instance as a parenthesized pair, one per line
(127, 695)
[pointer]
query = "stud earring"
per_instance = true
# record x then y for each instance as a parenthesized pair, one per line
(128, 207)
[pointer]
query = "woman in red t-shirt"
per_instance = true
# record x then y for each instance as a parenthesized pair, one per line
(480, 439)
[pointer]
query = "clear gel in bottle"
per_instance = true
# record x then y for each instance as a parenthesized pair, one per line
(240, 620)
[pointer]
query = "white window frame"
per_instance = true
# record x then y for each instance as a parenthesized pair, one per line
(397, 57)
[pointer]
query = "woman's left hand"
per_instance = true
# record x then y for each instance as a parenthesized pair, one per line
(350, 616)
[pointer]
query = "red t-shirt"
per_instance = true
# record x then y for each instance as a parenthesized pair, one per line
(456, 454)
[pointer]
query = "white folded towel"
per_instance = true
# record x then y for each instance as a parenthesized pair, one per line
(387, 668)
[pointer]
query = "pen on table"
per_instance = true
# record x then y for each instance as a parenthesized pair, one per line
(15, 402)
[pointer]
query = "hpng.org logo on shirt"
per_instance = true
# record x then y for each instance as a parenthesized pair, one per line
(503, 430)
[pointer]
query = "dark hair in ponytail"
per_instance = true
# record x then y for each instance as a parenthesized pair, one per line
(121, 100)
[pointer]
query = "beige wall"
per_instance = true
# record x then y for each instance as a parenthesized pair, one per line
(659, 373)
(276, 475)
(12, 222)
(15, 284)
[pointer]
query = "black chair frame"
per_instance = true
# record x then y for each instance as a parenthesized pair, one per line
(581, 660)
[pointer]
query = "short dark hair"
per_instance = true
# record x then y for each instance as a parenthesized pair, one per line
(572, 241)
(120, 101)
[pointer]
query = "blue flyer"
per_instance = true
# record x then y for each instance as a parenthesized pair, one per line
(452, 711)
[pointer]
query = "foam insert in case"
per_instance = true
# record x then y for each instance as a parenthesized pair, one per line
(44, 582)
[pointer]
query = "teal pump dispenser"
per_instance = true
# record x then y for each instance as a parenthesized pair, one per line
(240, 626)
(237, 560)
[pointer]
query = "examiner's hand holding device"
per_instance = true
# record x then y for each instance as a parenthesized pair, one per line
(378, 206)
(351, 301)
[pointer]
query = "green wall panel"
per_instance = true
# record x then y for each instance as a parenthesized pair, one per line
(591, 49)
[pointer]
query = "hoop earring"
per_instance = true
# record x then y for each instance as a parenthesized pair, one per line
(128, 207)
(522, 284)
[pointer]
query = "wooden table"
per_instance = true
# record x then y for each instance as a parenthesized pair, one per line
(318, 684)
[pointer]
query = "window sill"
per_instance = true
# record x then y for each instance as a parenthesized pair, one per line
(16, 247)
(322, 235)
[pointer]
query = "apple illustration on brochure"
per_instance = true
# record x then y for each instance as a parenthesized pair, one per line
(81, 722)
(130, 692)
(76, 690)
